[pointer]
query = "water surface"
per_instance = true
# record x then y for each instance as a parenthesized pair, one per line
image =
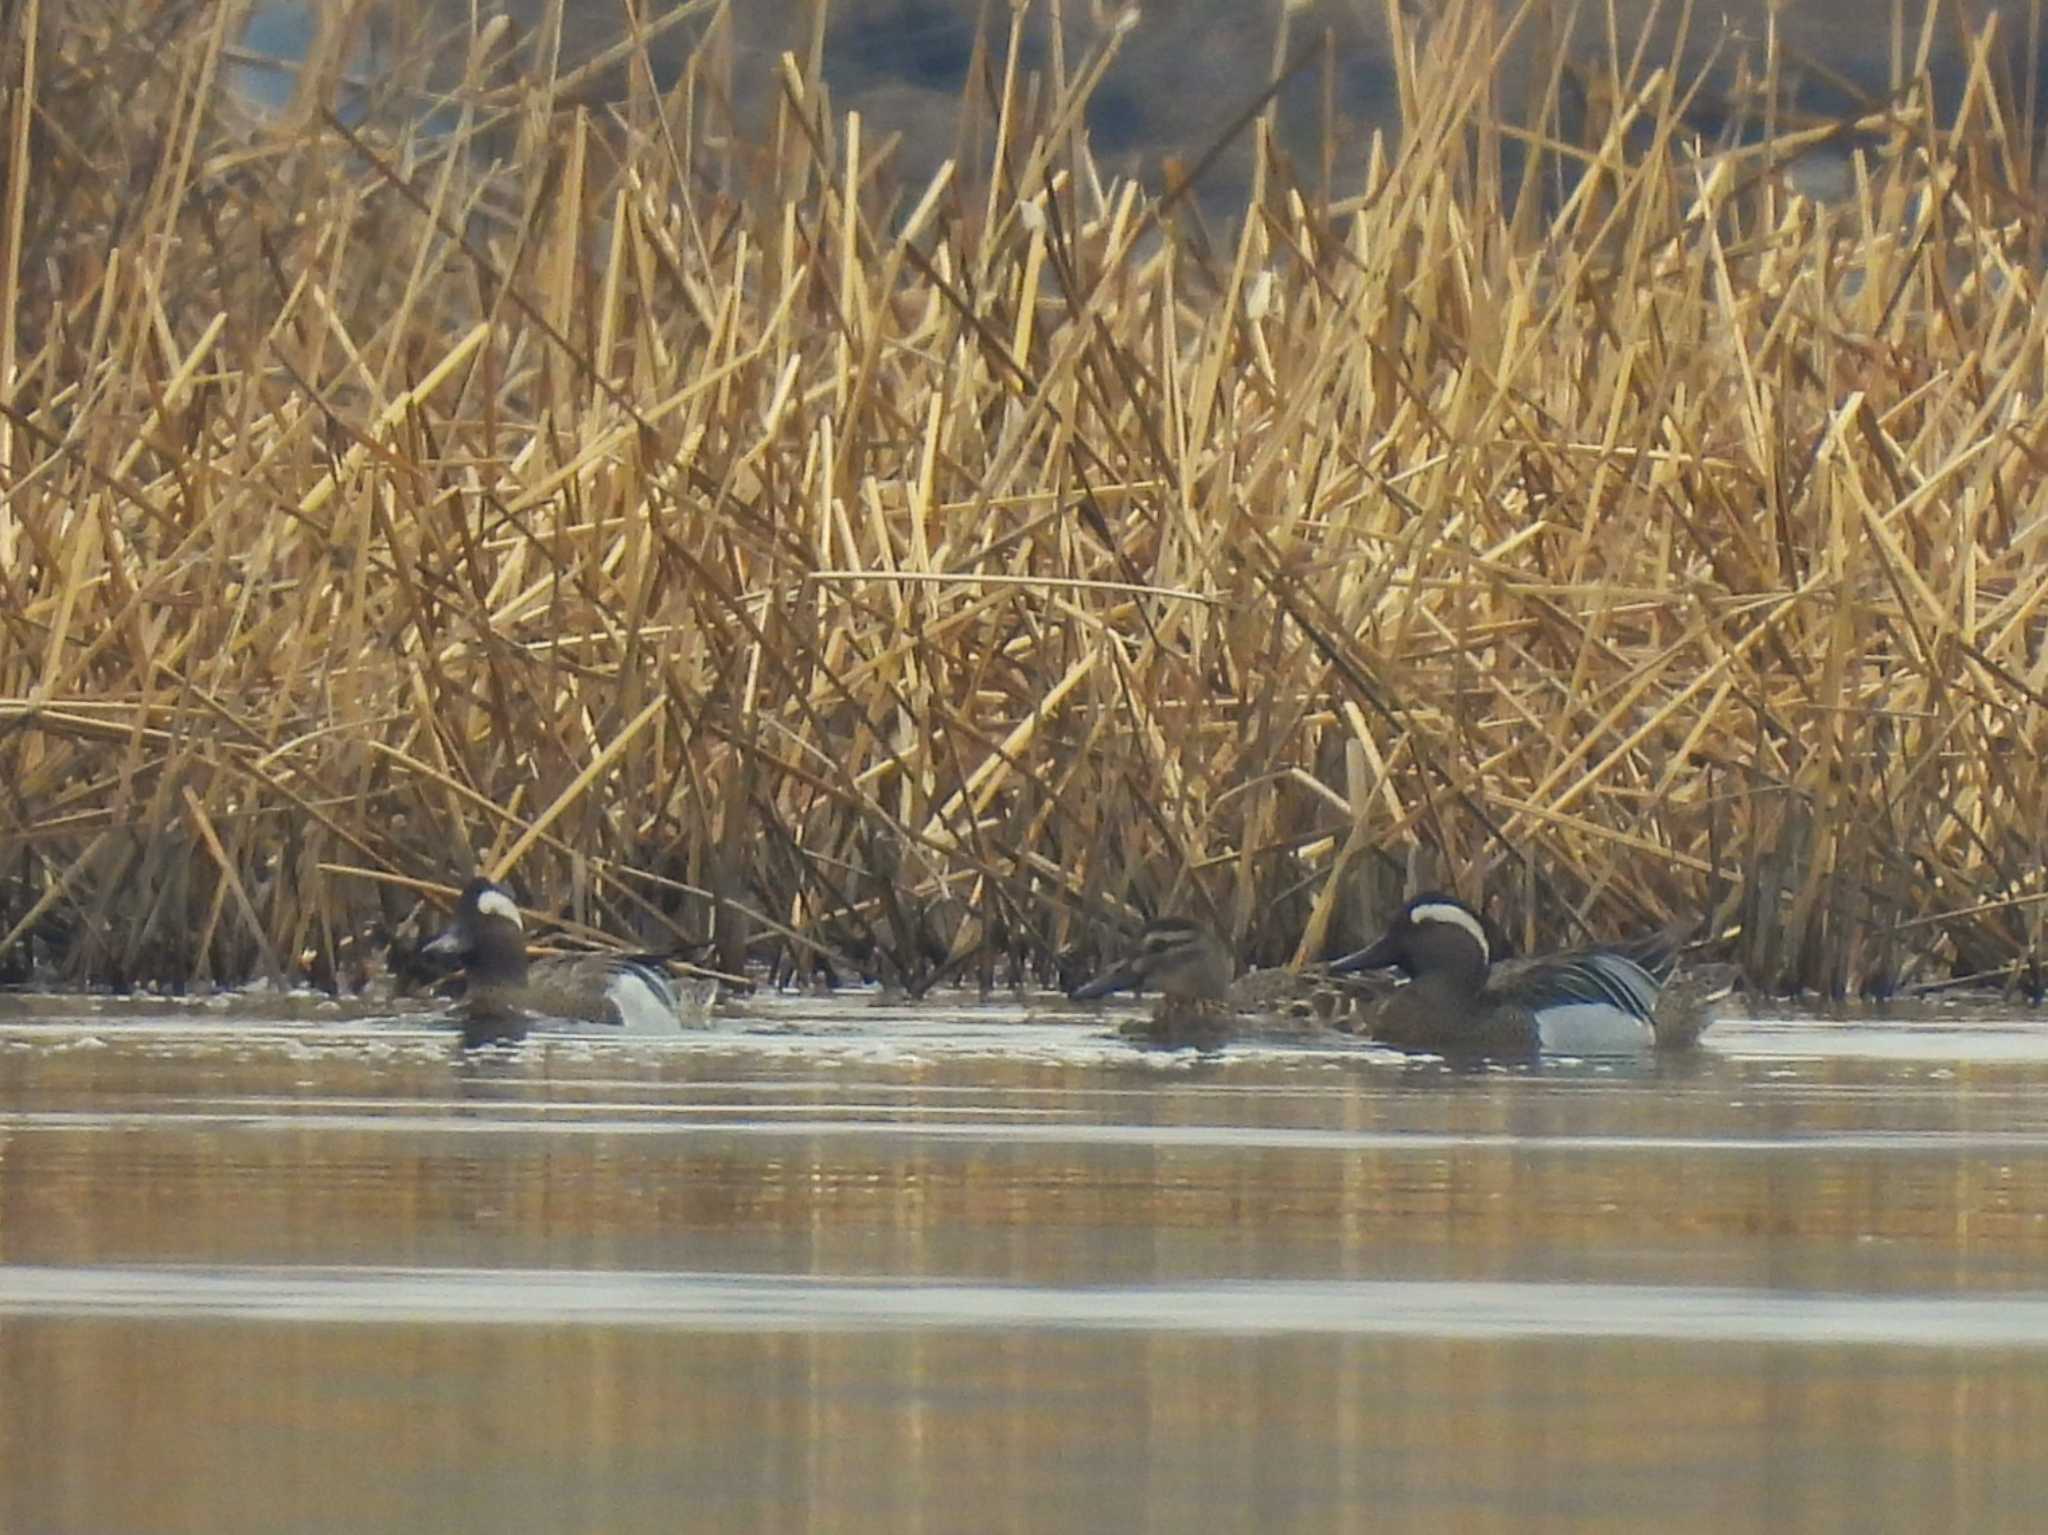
(845, 1266)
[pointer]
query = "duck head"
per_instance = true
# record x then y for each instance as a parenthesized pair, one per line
(1182, 958)
(1434, 934)
(487, 936)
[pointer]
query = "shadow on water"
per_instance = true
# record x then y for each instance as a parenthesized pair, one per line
(838, 1265)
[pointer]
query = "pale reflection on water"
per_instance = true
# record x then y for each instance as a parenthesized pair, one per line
(842, 1267)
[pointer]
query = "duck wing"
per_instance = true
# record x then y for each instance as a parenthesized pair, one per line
(1597, 977)
(633, 991)
(1656, 953)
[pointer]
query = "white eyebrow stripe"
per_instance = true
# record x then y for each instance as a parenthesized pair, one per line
(495, 903)
(1457, 916)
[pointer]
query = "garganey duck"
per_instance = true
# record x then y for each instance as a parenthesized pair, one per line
(1462, 1000)
(1204, 1002)
(504, 989)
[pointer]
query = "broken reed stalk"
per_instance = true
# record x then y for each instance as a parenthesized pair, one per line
(709, 533)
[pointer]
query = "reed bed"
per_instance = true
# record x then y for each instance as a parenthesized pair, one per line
(720, 539)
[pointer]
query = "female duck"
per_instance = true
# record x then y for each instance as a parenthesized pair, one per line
(1203, 1002)
(631, 992)
(1605, 1000)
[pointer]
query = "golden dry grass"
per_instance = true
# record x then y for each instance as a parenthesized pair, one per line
(711, 533)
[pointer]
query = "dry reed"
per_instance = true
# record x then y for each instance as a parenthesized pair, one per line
(717, 537)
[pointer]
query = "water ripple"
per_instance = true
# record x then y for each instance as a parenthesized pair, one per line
(757, 1303)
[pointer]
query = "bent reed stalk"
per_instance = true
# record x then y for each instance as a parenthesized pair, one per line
(714, 535)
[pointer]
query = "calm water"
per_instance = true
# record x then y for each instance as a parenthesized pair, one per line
(838, 1267)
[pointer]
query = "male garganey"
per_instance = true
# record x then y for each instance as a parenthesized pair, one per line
(504, 989)
(1462, 1000)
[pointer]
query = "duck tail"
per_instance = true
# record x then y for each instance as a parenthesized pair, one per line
(1686, 1004)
